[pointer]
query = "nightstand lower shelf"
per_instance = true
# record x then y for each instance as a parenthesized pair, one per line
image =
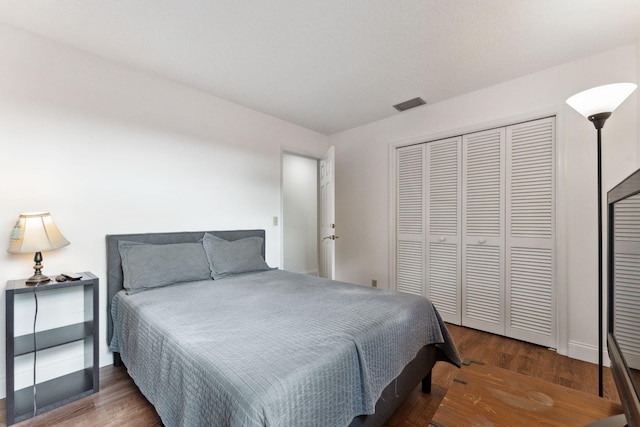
(54, 393)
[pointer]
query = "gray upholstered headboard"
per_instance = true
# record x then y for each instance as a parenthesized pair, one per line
(114, 262)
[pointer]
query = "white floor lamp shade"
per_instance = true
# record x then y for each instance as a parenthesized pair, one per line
(601, 99)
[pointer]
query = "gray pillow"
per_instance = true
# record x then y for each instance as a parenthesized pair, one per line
(235, 257)
(147, 266)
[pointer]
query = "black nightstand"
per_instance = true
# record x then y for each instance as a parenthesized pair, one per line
(64, 389)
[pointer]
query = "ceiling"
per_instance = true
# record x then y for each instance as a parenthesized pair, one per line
(331, 65)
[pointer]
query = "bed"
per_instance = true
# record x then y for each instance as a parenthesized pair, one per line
(258, 346)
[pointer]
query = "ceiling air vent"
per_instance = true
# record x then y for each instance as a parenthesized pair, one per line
(412, 103)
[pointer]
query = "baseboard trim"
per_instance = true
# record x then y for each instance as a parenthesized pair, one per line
(587, 352)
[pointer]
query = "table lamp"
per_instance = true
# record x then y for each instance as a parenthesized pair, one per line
(36, 232)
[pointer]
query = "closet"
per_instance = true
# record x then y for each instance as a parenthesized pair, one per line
(475, 228)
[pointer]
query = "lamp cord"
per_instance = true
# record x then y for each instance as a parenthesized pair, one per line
(35, 353)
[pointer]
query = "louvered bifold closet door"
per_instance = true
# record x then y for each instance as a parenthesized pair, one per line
(483, 230)
(410, 219)
(443, 227)
(627, 280)
(530, 275)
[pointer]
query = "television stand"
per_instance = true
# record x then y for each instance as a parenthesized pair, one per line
(487, 395)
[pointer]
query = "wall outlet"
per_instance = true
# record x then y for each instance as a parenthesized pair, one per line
(374, 283)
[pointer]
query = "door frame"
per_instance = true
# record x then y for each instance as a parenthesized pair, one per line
(287, 152)
(318, 158)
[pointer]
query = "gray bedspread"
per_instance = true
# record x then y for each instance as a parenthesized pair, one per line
(270, 349)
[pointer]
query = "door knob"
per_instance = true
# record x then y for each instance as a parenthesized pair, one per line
(332, 237)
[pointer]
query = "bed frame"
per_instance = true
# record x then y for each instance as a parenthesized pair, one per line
(419, 369)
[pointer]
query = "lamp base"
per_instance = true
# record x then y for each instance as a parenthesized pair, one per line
(37, 279)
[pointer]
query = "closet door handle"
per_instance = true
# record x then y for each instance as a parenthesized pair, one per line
(442, 239)
(482, 241)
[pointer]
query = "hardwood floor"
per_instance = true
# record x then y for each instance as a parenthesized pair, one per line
(119, 403)
(506, 353)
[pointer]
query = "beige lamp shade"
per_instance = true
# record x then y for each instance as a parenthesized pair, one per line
(601, 99)
(35, 232)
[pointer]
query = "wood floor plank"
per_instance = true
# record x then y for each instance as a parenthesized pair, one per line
(120, 403)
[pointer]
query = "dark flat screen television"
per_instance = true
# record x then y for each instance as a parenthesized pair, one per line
(623, 296)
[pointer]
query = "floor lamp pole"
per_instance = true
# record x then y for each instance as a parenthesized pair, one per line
(598, 121)
(600, 323)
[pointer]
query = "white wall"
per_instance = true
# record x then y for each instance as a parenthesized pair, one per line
(362, 174)
(108, 149)
(300, 214)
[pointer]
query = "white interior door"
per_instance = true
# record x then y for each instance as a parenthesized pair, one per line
(530, 273)
(410, 219)
(327, 215)
(443, 227)
(483, 201)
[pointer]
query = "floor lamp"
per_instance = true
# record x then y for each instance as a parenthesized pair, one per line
(596, 105)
